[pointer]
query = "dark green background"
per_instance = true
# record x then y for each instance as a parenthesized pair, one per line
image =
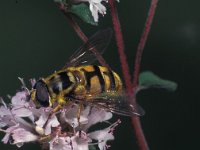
(36, 39)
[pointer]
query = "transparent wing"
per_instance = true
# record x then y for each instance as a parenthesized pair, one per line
(86, 55)
(118, 104)
(113, 102)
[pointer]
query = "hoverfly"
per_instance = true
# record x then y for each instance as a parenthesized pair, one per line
(80, 81)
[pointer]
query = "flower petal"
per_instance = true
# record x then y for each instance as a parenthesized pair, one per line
(80, 141)
(21, 136)
(8, 133)
(42, 120)
(71, 116)
(104, 135)
(52, 122)
(97, 115)
(60, 143)
(101, 135)
(21, 112)
(20, 104)
(20, 98)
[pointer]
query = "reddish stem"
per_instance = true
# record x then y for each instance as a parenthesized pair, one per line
(120, 45)
(76, 28)
(142, 42)
(142, 143)
(135, 120)
(83, 37)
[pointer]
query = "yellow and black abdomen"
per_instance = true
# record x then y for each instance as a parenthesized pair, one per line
(94, 80)
(82, 82)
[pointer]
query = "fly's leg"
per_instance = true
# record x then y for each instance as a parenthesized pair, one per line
(80, 108)
(45, 139)
(56, 109)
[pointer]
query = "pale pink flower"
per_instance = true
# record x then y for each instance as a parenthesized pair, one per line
(49, 121)
(22, 122)
(77, 142)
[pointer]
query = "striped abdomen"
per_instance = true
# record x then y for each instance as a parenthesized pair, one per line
(83, 81)
(94, 80)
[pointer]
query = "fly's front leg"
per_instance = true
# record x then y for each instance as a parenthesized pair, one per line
(61, 102)
(56, 109)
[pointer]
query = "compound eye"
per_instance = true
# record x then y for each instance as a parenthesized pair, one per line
(42, 94)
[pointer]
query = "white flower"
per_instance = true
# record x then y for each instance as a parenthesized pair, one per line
(47, 122)
(104, 135)
(70, 116)
(95, 7)
(77, 142)
(8, 132)
(21, 136)
(60, 143)
(97, 116)
(20, 105)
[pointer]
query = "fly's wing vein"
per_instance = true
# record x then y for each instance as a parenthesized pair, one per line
(115, 103)
(85, 55)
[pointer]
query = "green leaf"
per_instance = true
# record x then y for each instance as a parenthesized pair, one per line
(92, 147)
(83, 12)
(64, 2)
(148, 79)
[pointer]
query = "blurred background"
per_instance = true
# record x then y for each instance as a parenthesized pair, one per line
(36, 39)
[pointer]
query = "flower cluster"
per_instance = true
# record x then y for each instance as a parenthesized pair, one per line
(22, 122)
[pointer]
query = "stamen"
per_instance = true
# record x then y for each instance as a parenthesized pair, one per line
(71, 143)
(4, 131)
(107, 146)
(33, 81)
(114, 125)
(22, 82)
(2, 102)
(73, 126)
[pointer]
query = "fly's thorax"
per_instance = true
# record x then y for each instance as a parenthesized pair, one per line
(60, 83)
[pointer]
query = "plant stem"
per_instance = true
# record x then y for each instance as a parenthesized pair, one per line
(135, 120)
(83, 37)
(76, 27)
(142, 144)
(142, 42)
(120, 45)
